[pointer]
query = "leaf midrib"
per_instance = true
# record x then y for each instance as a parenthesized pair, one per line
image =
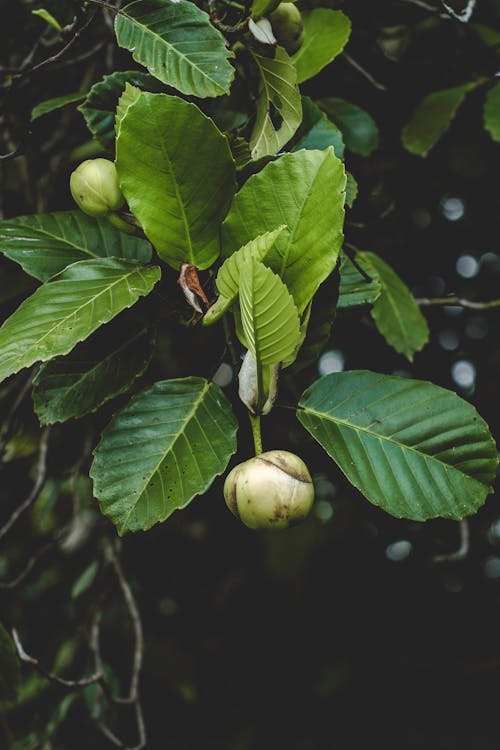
(385, 438)
(170, 448)
(156, 36)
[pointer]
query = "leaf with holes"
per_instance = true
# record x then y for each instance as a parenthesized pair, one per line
(164, 448)
(433, 117)
(46, 244)
(68, 309)
(177, 44)
(396, 314)
(94, 372)
(269, 318)
(305, 191)
(326, 32)
(170, 157)
(279, 106)
(416, 450)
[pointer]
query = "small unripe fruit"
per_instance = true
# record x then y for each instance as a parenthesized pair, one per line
(271, 491)
(94, 187)
(288, 26)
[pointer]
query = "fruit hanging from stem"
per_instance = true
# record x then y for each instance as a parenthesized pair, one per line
(271, 491)
(94, 187)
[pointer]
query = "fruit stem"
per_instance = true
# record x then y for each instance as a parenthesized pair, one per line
(257, 437)
(117, 221)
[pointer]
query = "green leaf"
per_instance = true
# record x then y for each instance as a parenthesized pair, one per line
(351, 190)
(67, 310)
(355, 289)
(326, 33)
(228, 277)
(10, 673)
(279, 106)
(85, 580)
(164, 448)
(492, 112)
(99, 108)
(50, 105)
(46, 16)
(177, 44)
(263, 7)
(269, 317)
(359, 129)
(45, 244)
(178, 176)
(305, 191)
(433, 117)
(130, 95)
(316, 131)
(396, 314)
(416, 450)
(93, 373)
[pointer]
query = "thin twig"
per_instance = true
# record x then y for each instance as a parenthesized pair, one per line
(41, 473)
(5, 428)
(458, 302)
(462, 552)
(14, 582)
(136, 624)
(83, 682)
(355, 64)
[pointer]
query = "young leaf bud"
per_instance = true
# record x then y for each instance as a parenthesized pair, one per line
(248, 390)
(271, 491)
(94, 187)
(288, 26)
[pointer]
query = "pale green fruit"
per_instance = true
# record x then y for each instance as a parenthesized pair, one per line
(270, 491)
(94, 187)
(288, 26)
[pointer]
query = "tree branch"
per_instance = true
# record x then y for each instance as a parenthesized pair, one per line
(37, 487)
(458, 302)
(463, 550)
(27, 659)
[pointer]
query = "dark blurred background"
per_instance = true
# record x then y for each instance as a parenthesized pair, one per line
(343, 631)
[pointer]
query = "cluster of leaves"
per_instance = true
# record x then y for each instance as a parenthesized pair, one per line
(415, 449)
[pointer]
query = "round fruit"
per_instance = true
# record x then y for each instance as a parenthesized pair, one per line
(288, 26)
(270, 491)
(94, 187)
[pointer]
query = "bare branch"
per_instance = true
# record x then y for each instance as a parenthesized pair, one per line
(355, 64)
(14, 582)
(6, 425)
(458, 302)
(37, 487)
(27, 659)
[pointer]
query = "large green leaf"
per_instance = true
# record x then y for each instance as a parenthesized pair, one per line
(178, 176)
(177, 44)
(166, 446)
(279, 106)
(359, 129)
(305, 191)
(317, 131)
(492, 111)
(10, 673)
(45, 244)
(99, 108)
(433, 117)
(413, 448)
(356, 288)
(93, 373)
(58, 102)
(67, 310)
(395, 312)
(269, 317)
(326, 33)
